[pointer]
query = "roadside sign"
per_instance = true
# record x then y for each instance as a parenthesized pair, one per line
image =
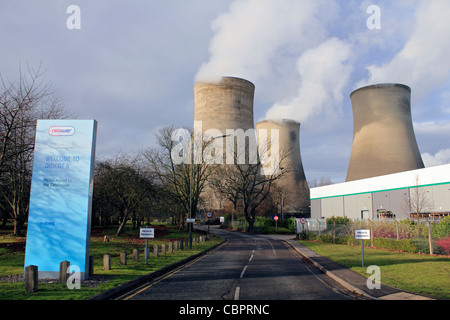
(209, 214)
(302, 220)
(275, 218)
(190, 220)
(147, 233)
(362, 234)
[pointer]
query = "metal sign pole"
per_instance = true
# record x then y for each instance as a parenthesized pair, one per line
(146, 251)
(362, 253)
(146, 247)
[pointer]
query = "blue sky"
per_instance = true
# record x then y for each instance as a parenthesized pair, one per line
(132, 65)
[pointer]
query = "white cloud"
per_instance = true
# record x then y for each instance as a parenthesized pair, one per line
(253, 35)
(440, 158)
(324, 75)
(423, 62)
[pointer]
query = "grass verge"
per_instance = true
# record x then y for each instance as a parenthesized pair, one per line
(417, 273)
(12, 258)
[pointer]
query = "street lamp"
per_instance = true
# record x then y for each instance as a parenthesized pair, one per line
(190, 185)
(282, 194)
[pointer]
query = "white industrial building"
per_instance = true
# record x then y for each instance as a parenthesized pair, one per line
(390, 196)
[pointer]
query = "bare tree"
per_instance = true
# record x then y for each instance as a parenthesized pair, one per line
(126, 185)
(245, 186)
(175, 177)
(22, 102)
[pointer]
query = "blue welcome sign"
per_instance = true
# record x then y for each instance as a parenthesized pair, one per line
(59, 219)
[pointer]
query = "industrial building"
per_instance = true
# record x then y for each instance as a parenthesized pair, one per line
(227, 106)
(386, 177)
(399, 196)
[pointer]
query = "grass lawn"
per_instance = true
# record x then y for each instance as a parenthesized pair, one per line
(417, 273)
(12, 257)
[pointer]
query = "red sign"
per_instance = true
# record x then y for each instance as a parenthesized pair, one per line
(275, 218)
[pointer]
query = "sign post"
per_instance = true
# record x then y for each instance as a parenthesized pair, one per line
(146, 233)
(59, 218)
(362, 234)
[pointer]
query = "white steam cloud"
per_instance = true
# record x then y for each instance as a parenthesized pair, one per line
(324, 75)
(257, 39)
(423, 63)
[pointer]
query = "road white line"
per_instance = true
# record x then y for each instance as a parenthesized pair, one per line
(236, 293)
(243, 271)
(250, 258)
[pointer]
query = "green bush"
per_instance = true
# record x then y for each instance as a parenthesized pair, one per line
(442, 229)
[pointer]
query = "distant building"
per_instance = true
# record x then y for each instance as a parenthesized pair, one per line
(397, 195)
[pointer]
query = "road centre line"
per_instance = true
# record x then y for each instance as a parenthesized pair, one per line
(236, 293)
(243, 271)
(146, 286)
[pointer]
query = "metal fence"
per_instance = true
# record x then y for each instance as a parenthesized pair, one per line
(426, 236)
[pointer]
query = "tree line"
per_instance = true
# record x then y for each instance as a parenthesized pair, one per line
(127, 187)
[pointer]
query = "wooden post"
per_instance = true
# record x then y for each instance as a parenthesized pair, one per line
(31, 279)
(63, 275)
(163, 249)
(171, 247)
(430, 239)
(136, 255)
(181, 244)
(334, 231)
(123, 258)
(107, 262)
(398, 230)
(175, 245)
(155, 250)
(91, 265)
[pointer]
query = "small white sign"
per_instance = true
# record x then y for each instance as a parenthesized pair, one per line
(147, 232)
(190, 220)
(362, 234)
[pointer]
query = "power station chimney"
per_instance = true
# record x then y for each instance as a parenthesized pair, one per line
(383, 136)
(294, 186)
(222, 106)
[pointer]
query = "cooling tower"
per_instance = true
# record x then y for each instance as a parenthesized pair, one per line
(294, 185)
(226, 105)
(383, 136)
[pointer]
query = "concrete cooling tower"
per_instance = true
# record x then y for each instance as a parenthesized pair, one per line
(383, 136)
(226, 105)
(295, 187)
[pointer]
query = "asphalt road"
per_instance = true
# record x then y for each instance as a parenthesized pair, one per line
(246, 267)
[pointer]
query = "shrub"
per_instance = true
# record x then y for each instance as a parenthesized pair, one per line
(442, 229)
(443, 245)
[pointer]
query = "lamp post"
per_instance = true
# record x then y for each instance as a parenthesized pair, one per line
(190, 184)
